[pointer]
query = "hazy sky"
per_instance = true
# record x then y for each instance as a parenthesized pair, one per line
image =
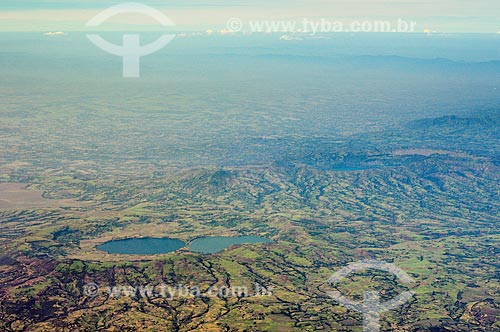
(437, 15)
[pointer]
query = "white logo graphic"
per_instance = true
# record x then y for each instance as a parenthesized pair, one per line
(131, 51)
(371, 308)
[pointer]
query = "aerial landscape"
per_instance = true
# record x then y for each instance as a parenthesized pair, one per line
(241, 179)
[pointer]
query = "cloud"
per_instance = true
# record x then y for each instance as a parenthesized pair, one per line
(54, 33)
(289, 38)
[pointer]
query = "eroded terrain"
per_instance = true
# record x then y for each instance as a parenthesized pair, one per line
(431, 208)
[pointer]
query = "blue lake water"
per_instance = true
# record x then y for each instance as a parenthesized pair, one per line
(214, 244)
(142, 246)
(153, 246)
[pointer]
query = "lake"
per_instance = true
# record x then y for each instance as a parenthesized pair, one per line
(141, 246)
(153, 246)
(214, 244)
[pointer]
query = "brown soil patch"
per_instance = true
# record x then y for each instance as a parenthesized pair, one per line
(17, 196)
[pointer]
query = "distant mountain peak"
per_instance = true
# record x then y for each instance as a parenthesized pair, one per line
(453, 121)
